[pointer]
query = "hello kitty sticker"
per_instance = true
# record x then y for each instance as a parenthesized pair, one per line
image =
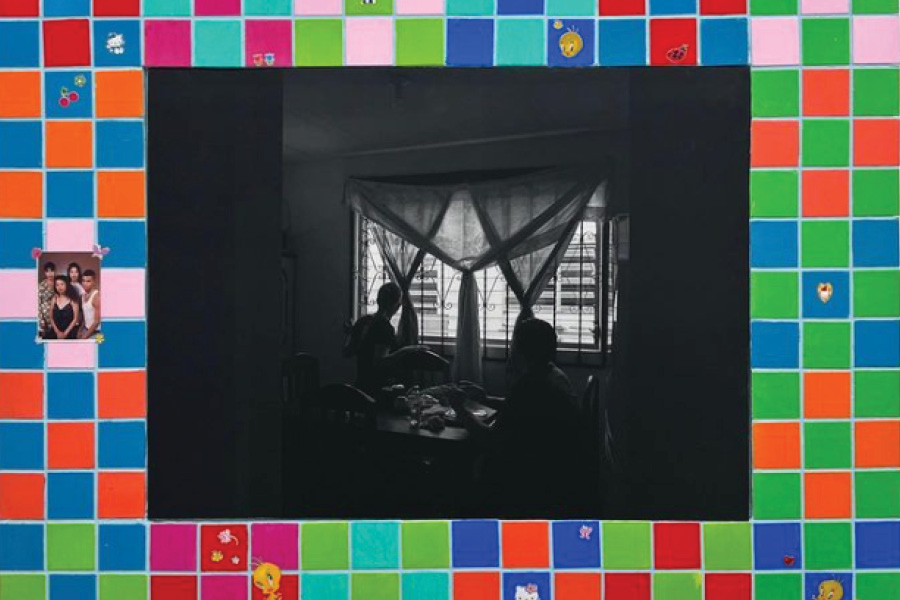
(527, 592)
(115, 43)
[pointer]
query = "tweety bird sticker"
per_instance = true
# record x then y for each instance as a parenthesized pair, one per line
(267, 577)
(830, 589)
(570, 43)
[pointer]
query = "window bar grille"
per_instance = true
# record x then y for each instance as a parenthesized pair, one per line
(581, 239)
(603, 324)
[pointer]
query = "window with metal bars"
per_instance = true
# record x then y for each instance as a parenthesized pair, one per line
(579, 300)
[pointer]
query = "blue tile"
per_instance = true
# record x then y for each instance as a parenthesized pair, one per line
(476, 544)
(540, 581)
(59, 103)
(117, 43)
(20, 143)
(127, 243)
(67, 8)
(875, 243)
(19, 349)
(17, 240)
(470, 42)
(623, 42)
(876, 343)
(22, 446)
(122, 445)
(773, 542)
(375, 545)
(120, 144)
(124, 345)
(561, 35)
(877, 545)
(73, 587)
(723, 42)
(773, 244)
(520, 7)
(70, 395)
(21, 547)
(19, 45)
(673, 7)
(70, 496)
(838, 306)
(774, 345)
(576, 545)
(814, 580)
(122, 547)
(70, 194)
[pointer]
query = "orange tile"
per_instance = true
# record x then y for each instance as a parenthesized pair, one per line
(21, 194)
(70, 445)
(119, 93)
(21, 395)
(69, 144)
(576, 586)
(120, 194)
(20, 94)
(826, 395)
(826, 92)
(877, 444)
(826, 193)
(121, 495)
(776, 445)
(828, 495)
(122, 394)
(526, 544)
(774, 143)
(476, 585)
(876, 142)
(22, 497)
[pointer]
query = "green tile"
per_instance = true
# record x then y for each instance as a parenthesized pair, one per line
(776, 496)
(773, 194)
(876, 394)
(876, 293)
(426, 545)
(427, 586)
(775, 395)
(357, 8)
(826, 41)
(255, 8)
(626, 546)
(877, 585)
(877, 494)
(572, 8)
(23, 587)
(727, 547)
(875, 6)
(825, 243)
(678, 586)
(773, 7)
(167, 8)
(123, 587)
(319, 42)
(777, 586)
(827, 546)
(826, 345)
(827, 445)
(375, 545)
(375, 586)
(521, 42)
(826, 143)
(876, 192)
(420, 42)
(70, 547)
(218, 44)
(325, 546)
(876, 92)
(319, 586)
(774, 295)
(775, 93)
(470, 7)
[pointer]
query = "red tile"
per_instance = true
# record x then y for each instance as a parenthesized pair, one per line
(577, 586)
(22, 497)
(733, 586)
(627, 586)
(21, 395)
(67, 43)
(288, 590)
(723, 7)
(614, 8)
(484, 585)
(117, 8)
(826, 92)
(19, 8)
(676, 545)
(223, 547)
(173, 587)
(526, 544)
(826, 193)
(876, 142)
(673, 42)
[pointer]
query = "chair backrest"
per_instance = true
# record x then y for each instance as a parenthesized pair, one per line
(424, 368)
(346, 406)
(300, 379)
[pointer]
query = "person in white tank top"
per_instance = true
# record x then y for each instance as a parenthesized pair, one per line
(90, 305)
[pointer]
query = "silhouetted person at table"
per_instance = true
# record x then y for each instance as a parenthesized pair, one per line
(373, 341)
(537, 460)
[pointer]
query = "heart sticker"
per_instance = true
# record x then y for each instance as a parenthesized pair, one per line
(825, 290)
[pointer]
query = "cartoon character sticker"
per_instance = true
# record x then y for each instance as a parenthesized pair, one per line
(830, 589)
(527, 592)
(571, 42)
(825, 291)
(115, 43)
(267, 578)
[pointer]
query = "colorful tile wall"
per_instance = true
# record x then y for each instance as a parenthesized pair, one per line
(825, 303)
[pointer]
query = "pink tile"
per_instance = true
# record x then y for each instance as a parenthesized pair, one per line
(213, 8)
(369, 41)
(268, 37)
(224, 587)
(19, 297)
(876, 40)
(173, 547)
(824, 7)
(419, 7)
(276, 544)
(69, 234)
(122, 293)
(775, 41)
(71, 355)
(318, 7)
(167, 43)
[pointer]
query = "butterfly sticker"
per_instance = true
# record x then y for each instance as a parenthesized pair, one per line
(36, 253)
(99, 252)
(824, 291)
(677, 54)
(585, 532)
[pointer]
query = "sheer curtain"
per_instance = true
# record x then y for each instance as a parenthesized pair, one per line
(523, 224)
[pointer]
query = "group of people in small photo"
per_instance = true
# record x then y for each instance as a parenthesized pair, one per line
(69, 303)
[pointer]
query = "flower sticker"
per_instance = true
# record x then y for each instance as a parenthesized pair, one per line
(216, 556)
(36, 253)
(80, 81)
(226, 537)
(235, 560)
(99, 337)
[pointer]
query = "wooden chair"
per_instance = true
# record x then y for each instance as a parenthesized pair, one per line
(346, 407)
(424, 368)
